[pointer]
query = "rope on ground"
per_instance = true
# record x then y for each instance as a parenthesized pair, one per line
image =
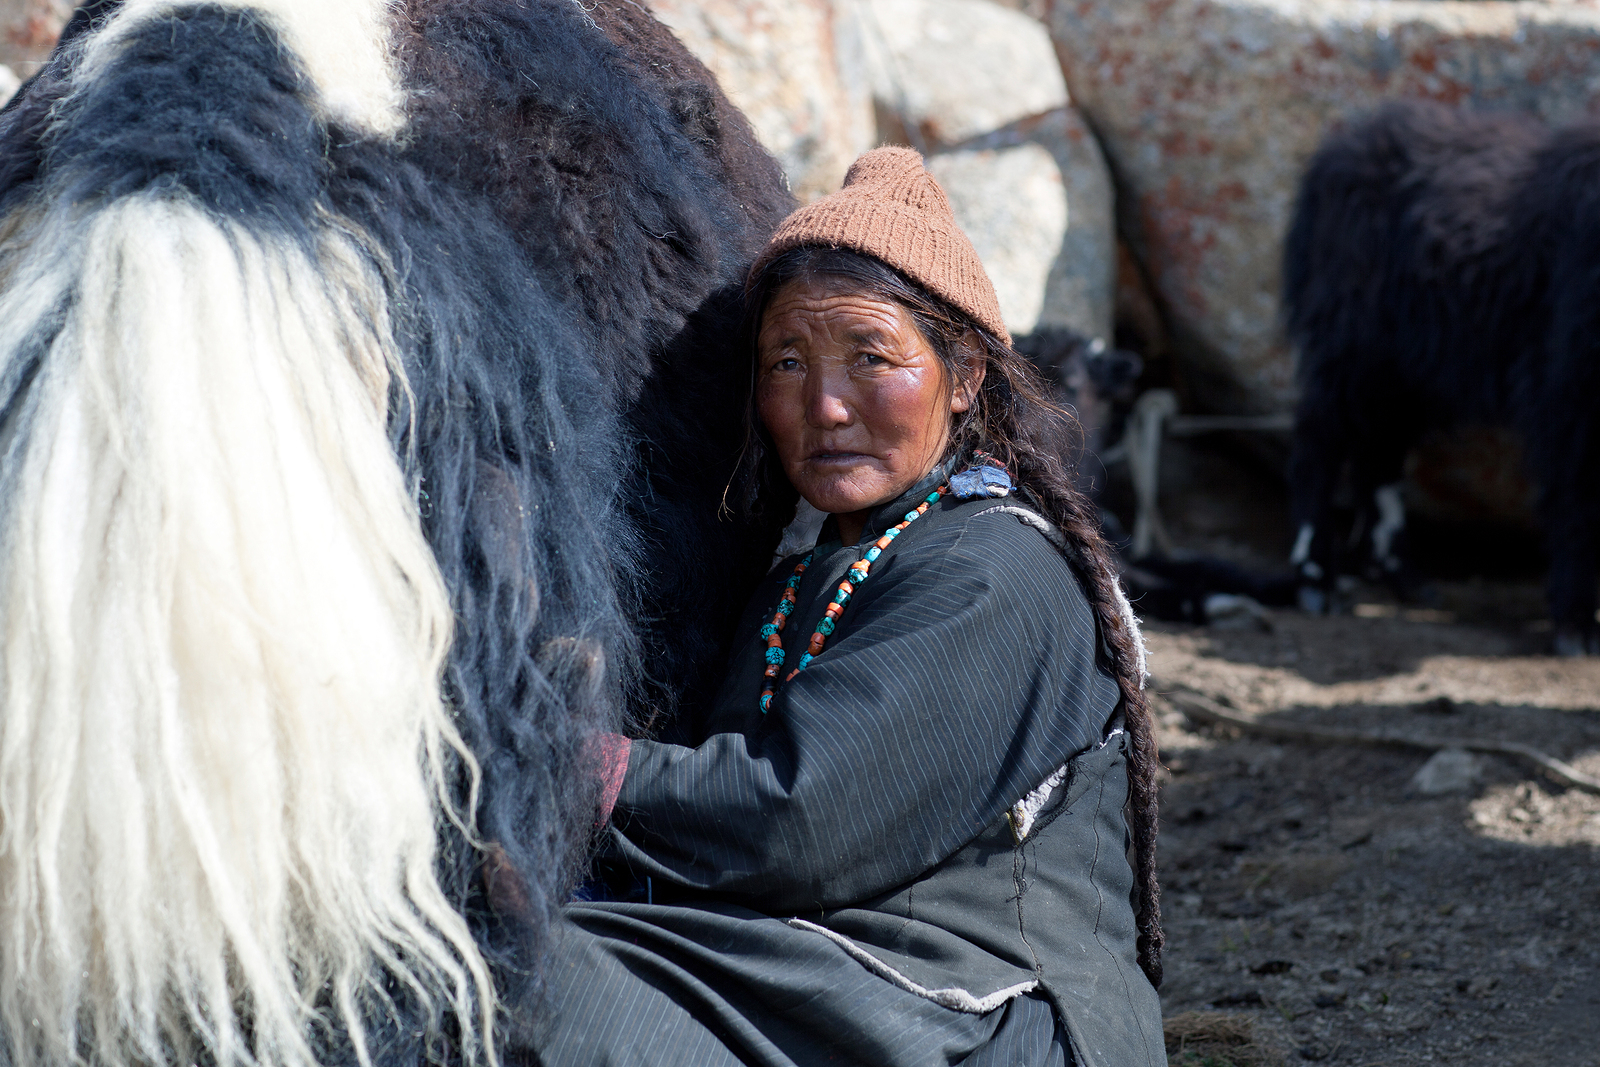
(1204, 709)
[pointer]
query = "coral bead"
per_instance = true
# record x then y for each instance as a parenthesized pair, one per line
(831, 613)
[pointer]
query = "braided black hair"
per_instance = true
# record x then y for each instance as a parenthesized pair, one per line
(1013, 419)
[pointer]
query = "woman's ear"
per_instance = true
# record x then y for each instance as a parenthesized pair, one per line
(973, 363)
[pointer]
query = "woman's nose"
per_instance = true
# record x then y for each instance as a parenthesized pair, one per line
(825, 403)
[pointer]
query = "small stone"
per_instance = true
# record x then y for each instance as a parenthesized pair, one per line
(1273, 967)
(1230, 611)
(1449, 770)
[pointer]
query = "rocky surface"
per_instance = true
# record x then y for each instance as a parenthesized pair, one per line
(978, 89)
(1350, 902)
(1036, 199)
(28, 30)
(975, 87)
(951, 70)
(794, 67)
(1208, 110)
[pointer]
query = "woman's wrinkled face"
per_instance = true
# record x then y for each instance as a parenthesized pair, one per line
(857, 402)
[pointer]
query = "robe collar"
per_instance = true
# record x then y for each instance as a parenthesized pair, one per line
(968, 479)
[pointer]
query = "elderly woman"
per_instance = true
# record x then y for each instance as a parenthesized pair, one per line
(899, 836)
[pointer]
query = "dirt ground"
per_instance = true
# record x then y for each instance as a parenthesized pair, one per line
(1322, 903)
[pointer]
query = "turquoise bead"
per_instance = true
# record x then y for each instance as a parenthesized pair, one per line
(825, 627)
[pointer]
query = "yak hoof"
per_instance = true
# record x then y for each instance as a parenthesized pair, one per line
(1312, 600)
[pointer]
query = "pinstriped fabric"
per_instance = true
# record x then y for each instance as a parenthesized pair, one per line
(687, 987)
(1028, 1037)
(961, 675)
(644, 985)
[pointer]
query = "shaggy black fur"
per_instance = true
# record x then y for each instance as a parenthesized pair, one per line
(641, 195)
(1183, 590)
(1442, 268)
(1097, 381)
(563, 232)
(1098, 384)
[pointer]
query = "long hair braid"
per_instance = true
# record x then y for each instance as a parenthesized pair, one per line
(1015, 421)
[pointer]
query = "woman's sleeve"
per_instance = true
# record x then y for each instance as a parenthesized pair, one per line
(967, 676)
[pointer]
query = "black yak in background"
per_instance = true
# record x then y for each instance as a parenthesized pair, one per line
(369, 387)
(1098, 383)
(1443, 268)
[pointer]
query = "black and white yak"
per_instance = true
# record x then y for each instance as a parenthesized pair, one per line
(368, 393)
(1443, 268)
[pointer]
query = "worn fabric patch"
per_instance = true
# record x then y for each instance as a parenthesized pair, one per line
(981, 480)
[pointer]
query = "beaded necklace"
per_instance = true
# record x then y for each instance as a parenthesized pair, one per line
(857, 574)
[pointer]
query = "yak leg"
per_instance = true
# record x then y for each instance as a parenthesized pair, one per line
(1573, 518)
(1321, 446)
(1378, 479)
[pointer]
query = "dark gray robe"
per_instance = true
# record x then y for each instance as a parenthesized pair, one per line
(841, 880)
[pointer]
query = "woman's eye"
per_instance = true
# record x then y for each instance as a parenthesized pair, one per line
(785, 363)
(872, 359)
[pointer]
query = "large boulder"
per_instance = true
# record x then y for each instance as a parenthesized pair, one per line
(28, 31)
(1036, 200)
(1210, 108)
(794, 68)
(978, 89)
(955, 69)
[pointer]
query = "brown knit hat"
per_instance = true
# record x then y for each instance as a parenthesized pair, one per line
(890, 207)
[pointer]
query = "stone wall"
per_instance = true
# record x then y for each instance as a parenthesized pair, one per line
(1209, 109)
(795, 68)
(1205, 111)
(977, 88)
(28, 30)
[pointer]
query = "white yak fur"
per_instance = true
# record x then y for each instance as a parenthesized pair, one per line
(344, 45)
(223, 749)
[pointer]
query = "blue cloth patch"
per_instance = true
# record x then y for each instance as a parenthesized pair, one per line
(979, 481)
